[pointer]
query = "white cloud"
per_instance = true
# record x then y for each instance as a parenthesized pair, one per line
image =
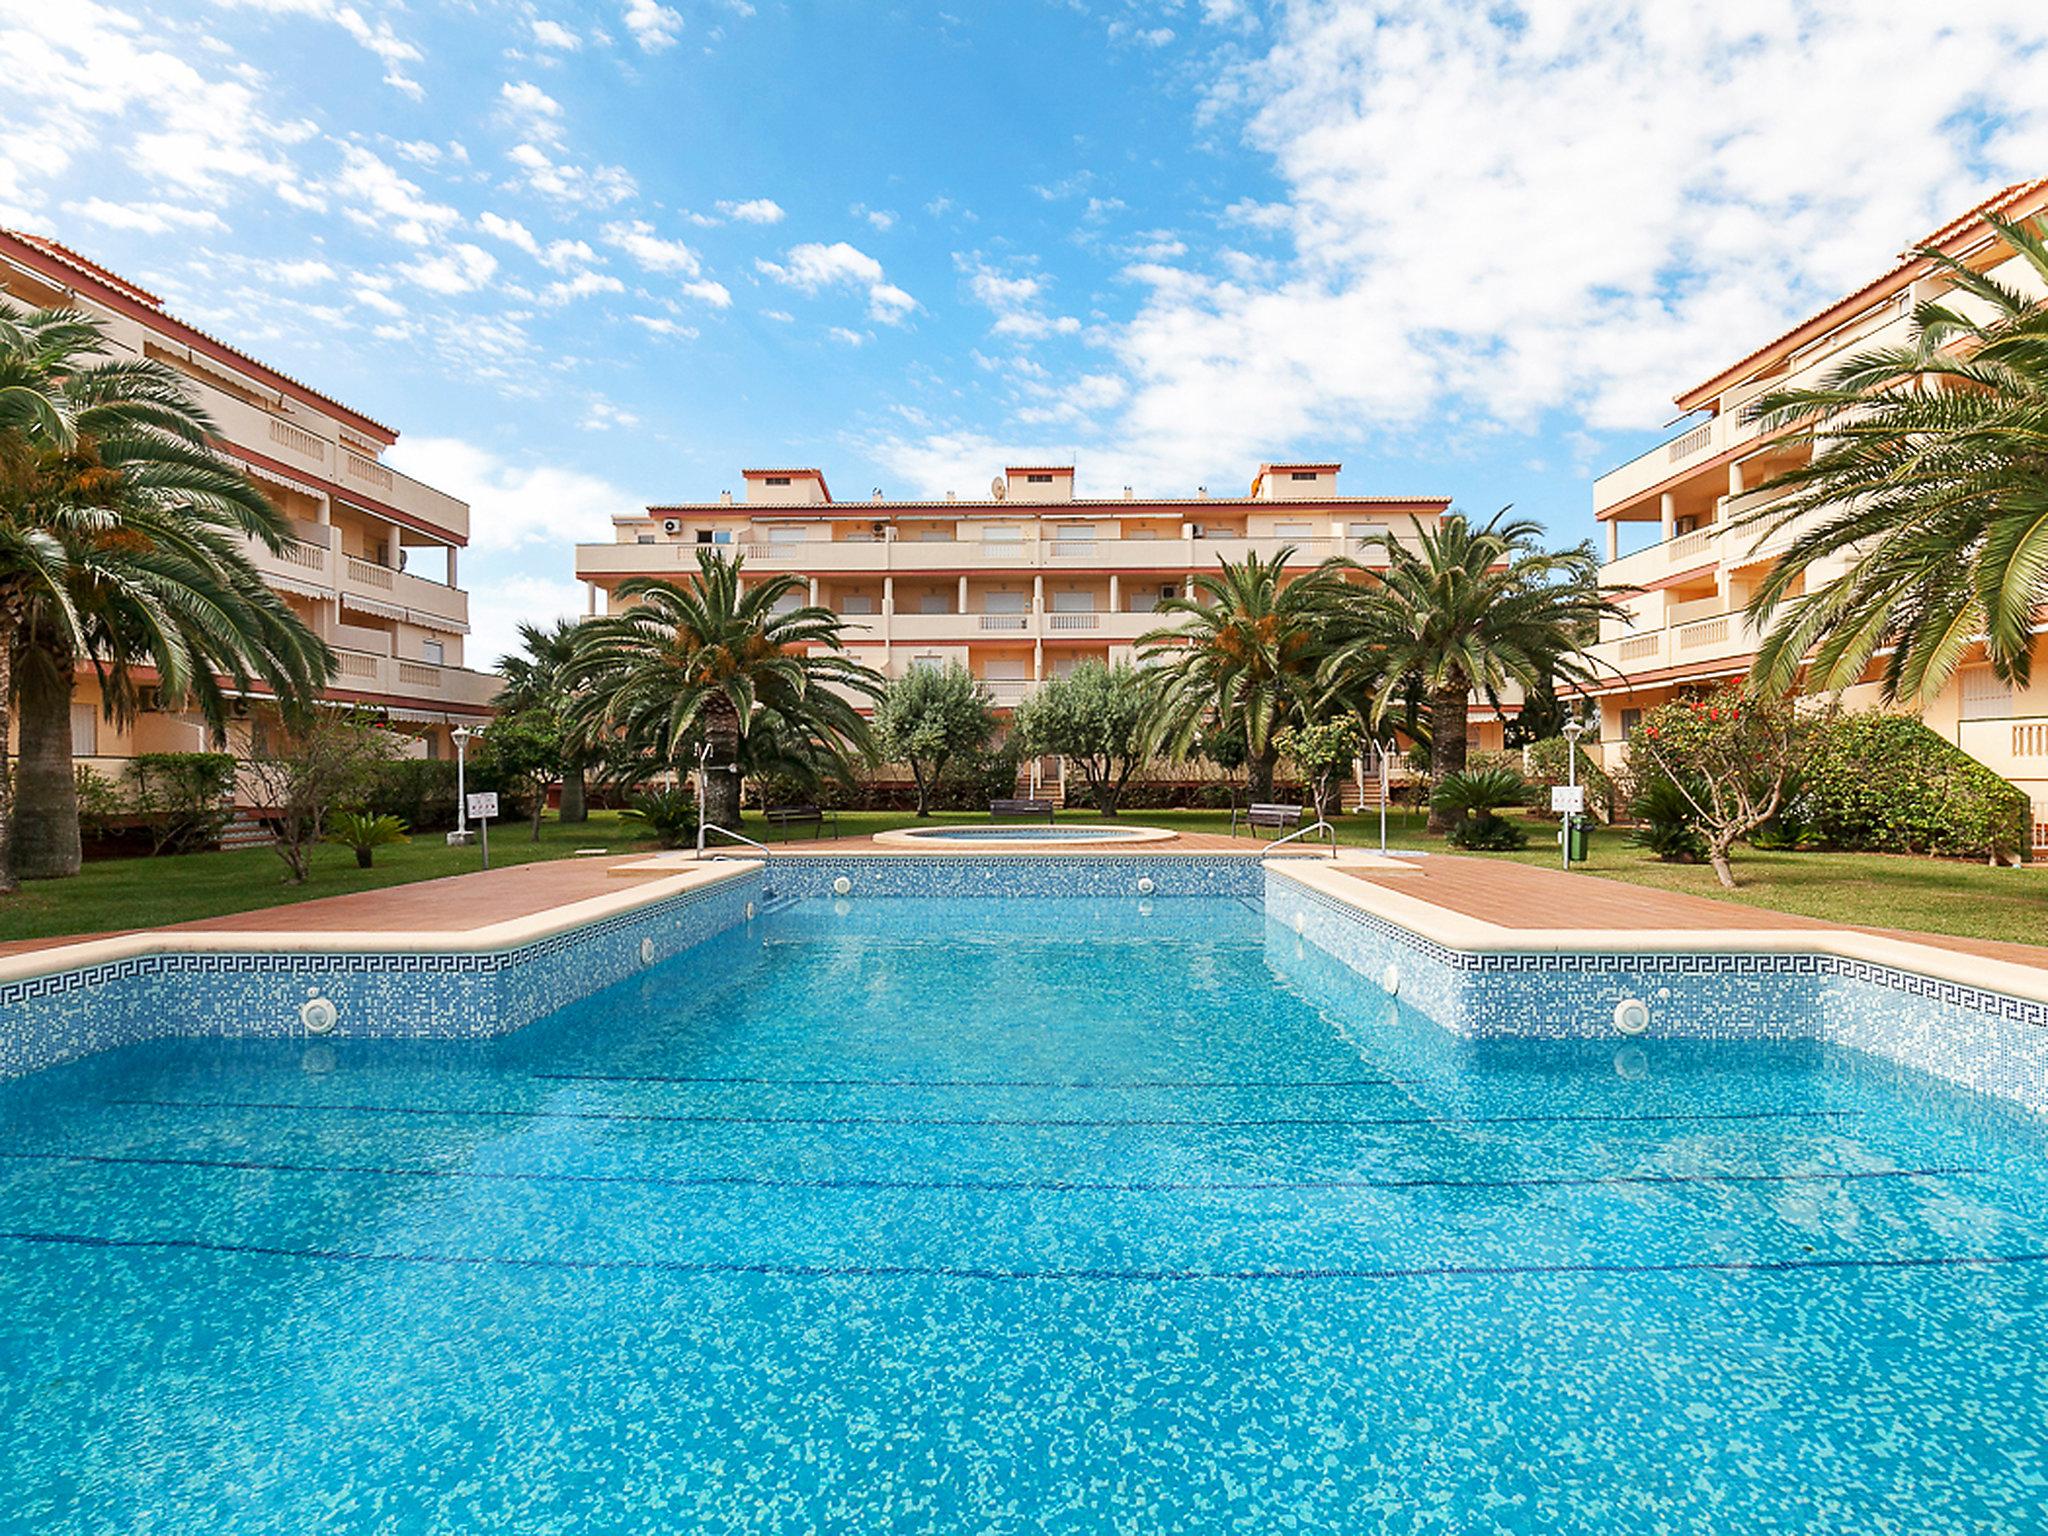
(377, 37)
(378, 198)
(518, 598)
(881, 218)
(150, 218)
(755, 210)
(514, 506)
(303, 273)
(378, 300)
(556, 255)
(717, 295)
(533, 109)
(553, 35)
(461, 268)
(654, 254)
(814, 267)
(602, 416)
(779, 316)
(840, 333)
(661, 325)
(1017, 302)
(654, 26)
(597, 186)
(582, 286)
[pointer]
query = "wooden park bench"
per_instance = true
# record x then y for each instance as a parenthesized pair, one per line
(1268, 818)
(1032, 809)
(782, 817)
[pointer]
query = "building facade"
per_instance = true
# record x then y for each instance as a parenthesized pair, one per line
(372, 565)
(1685, 587)
(1018, 586)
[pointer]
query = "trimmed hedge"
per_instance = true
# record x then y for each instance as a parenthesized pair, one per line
(1889, 784)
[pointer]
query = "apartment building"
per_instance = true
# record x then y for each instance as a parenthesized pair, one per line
(1017, 586)
(372, 566)
(1685, 573)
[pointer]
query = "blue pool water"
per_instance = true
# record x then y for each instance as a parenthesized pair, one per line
(1049, 1216)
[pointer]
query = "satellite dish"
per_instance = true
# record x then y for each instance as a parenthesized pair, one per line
(999, 487)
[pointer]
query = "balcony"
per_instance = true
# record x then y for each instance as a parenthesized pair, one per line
(362, 672)
(1696, 635)
(997, 629)
(1645, 567)
(833, 557)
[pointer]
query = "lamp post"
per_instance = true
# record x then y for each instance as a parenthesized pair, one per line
(1574, 728)
(461, 836)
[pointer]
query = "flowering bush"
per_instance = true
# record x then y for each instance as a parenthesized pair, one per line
(1730, 756)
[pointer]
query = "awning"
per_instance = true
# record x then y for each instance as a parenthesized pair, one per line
(435, 621)
(293, 584)
(371, 606)
(259, 472)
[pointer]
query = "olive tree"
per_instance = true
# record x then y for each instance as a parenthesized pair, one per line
(1096, 717)
(929, 717)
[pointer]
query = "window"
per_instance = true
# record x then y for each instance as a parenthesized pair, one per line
(934, 602)
(85, 730)
(1003, 669)
(1293, 530)
(1002, 602)
(778, 479)
(703, 535)
(433, 746)
(1301, 474)
(645, 538)
(1080, 532)
(935, 536)
(857, 602)
(926, 663)
(1365, 530)
(787, 533)
(1001, 533)
(1073, 602)
(433, 651)
(1984, 696)
(790, 601)
(1630, 719)
(1038, 479)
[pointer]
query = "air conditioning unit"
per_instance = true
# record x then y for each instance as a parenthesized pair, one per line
(671, 525)
(1195, 531)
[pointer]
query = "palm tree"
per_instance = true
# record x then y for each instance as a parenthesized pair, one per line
(1244, 661)
(1461, 609)
(711, 662)
(149, 524)
(543, 677)
(1929, 476)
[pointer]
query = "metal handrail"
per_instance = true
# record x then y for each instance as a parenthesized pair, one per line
(1318, 825)
(767, 853)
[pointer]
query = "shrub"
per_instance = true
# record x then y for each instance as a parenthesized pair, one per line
(99, 801)
(365, 833)
(328, 762)
(1666, 824)
(1324, 754)
(670, 814)
(1475, 798)
(1095, 718)
(1889, 784)
(182, 798)
(419, 791)
(1731, 754)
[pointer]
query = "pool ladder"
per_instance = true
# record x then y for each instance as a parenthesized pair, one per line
(1318, 825)
(767, 854)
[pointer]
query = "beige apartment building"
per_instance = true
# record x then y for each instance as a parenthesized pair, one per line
(1686, 588)
(372, 566)
(1019, 585)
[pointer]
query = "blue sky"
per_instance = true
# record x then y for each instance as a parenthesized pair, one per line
(584, 255)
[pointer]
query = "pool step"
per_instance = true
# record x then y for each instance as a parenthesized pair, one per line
(772, 902)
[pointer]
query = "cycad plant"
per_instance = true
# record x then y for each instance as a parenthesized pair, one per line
(365, 833)
(1472, 803)
(1929, 477)
(1459, 609)
(717, 662)
(121, 544)
(1243, 660)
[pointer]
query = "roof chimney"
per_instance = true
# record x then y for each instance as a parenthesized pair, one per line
(725, 498)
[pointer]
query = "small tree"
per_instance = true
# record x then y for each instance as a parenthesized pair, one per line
(1096, 717)
(1731, 754)
(301, 776)
(1322, 754)
(183, 798)
(928, 717)
(527, 751)
(365, 832)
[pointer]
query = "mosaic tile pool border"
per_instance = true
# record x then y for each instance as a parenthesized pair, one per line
(53, 1018)
(1972, 1036)
(998, 875)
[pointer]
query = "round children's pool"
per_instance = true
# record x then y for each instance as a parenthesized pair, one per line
(1037, 835)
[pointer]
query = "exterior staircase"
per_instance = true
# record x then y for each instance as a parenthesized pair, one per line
(246, 830)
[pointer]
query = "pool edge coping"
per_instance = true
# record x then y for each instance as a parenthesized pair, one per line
(506, 934)
(1427, 921)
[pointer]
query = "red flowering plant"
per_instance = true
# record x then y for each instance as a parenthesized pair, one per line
(1731, 754)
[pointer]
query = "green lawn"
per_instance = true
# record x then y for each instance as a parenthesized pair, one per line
(144, 893)
(1933, 895)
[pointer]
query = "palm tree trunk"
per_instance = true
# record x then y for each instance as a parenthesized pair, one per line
(721, 787)
(10, 627)
(575, 796)
(45, 831)
(1258, 770)
(1448, 709)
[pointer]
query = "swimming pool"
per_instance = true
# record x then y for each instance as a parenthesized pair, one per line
(1065, 1214)
(1035, 834)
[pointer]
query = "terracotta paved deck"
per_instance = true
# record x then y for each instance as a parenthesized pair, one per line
(1525, 896)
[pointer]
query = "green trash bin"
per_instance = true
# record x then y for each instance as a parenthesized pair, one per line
(1575, 830)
